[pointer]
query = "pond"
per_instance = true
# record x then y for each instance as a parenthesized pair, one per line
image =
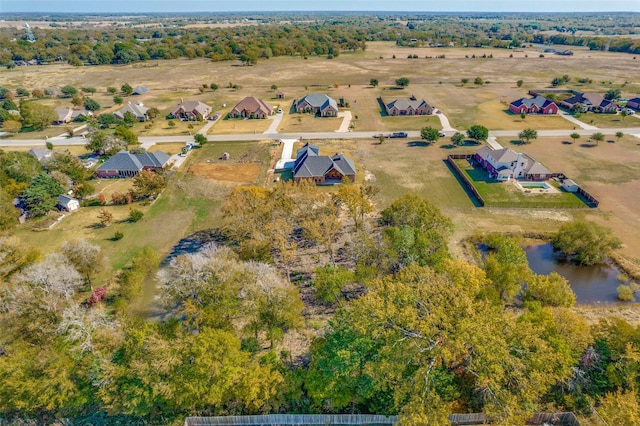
(591, 284)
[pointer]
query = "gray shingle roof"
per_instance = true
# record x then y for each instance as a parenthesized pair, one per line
(125, 161)
(405, 104)
(310, 164)
(137, 109)
(319, 100)
(344, 164)
(140, 90)
(539, 101)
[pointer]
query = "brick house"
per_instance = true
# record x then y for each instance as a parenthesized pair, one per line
(591, 102)
(125, 164)
(251, 107)
(191, 110)
(408, 107)
(536, 105)
(320, 104)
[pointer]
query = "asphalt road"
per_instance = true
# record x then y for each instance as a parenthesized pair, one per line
(302, 136)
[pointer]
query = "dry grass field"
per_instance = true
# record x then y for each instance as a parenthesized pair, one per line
(232, 173)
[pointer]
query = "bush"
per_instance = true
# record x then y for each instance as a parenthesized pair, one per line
(118, 235)
(135, 215)
(625, 294)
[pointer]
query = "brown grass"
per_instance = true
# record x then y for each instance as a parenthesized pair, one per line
(235, 173)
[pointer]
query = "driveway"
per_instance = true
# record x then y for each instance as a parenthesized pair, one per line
(346, 120)
(444, 122)
(493, 142)
(276, 119)
(287, 152)
(576, 121)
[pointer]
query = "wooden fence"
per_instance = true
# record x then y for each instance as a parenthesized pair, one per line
(463, 177)
(555, 419)
(294, 419)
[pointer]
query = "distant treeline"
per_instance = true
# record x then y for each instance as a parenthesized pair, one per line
(327, 35)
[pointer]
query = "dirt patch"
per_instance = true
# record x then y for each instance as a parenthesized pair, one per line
(237, 173)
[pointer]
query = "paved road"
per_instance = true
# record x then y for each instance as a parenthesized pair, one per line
(309, 135)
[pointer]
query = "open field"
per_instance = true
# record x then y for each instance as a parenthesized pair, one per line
(225, 126)
(234, 173)
(292, 123)
(348, 75)
(608, 120)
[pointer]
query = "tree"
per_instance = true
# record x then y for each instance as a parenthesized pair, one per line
(574, 136)
(402, 82)
(105, 217)
(519, 83)
(91, 105)
(42, 194)
(153, 112)
(619, 135)
(126, 89)
(76, 100)
(36, 115)
(374, 82)
(457, 139)
(200, 139)
(612, 94)
(147, 184)
(597, 137)
(429, 134)
(329, 281)
(624, 114)
(625, 293)
(37, 93)
(550, 290)
(213, 86)
(478, 81)
(464, 81)
(135, 215)
(527, 135)
(11, 126)
(112, 90)
(88, 259)
(356, 201)
(585, 242)
(274, 87)
(117, 99)
(478, 133)
(68, 91)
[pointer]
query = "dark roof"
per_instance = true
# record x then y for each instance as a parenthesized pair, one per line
(539, 101)
(140, 90)
(65, 199)
(405, 104)
(589, 98)
(344, 164)
(125, 161)
(309, 164)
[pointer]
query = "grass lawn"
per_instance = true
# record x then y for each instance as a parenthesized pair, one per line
(293, 123)
(170, 148)
(239, 125)
(608, 121)
(505, 194)
(416, 122)
(77, 150)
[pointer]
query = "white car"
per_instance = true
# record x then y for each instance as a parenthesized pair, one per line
(442, 134)
(279, 111)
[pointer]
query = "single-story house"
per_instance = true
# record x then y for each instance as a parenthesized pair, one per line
(41, 154)
(125, 164)
(138, 110)
(68, 203)
(191, 110)
(536, 105)
(251, 107)
(408, 107)
(569, 185)
(67, 115)
(322, 169)
(634, 103)
(505, 164)
(591, 102)
(318, 103)
(140, 90)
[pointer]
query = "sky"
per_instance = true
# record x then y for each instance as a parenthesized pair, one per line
(131, 6)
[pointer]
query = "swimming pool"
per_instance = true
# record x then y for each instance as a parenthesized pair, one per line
(534, 185)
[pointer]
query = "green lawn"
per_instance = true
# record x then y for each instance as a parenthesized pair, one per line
(607, 121)
(505, 194)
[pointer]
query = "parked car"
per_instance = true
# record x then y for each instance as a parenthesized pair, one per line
(399, 135)
(442, 134)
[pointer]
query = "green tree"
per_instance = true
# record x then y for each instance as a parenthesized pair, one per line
(135, 215)
(117, 99)
(329, 281)
(612, 94)
(126, 134)
(356, 200)
(374, 82)
(36, 115)
(619, 135)
(597, 137)
(478, 133)
(478, 81)
(464, 81)
(458, 139)
(519, 83)
(213, 86)
(148, 184)
(200, 139)
(112, 90)
(11, 126)
(126, 89)
(585, 242)
(550, 290)
(429, 134)
(76, 100)
(42, 195)
(575, 136)
(91, 105)
(402, 82)
(527, 135)
(68, 91)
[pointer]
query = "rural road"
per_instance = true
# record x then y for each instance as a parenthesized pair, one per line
(308, 135)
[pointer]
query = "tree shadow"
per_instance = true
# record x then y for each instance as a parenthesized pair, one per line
(517, 142)
(448, 146)
(567, 143)
(588, 145)
(418, 143)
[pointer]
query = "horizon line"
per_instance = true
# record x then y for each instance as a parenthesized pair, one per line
(318, 10)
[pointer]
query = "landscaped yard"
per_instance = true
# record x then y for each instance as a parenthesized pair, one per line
(506, 194)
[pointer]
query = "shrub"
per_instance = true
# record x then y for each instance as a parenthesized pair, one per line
(135, 215)
(625, 293)
(118, 235)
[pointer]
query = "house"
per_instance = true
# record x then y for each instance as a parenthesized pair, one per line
(125, 164)
(318, 103)
(67, 115)
(322, 169)
(68, 203)
(41, 154)
(140, 90)
(138, 110)
(408, 107)
(191, 110)
(569, 185)
(591, 102)
(251, 107)
(536, 105)
(505, 164)
(634, 103)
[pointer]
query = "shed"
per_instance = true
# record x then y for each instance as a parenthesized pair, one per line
(140, 90)
(569, 185)
(68, 203)
(280, 95)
